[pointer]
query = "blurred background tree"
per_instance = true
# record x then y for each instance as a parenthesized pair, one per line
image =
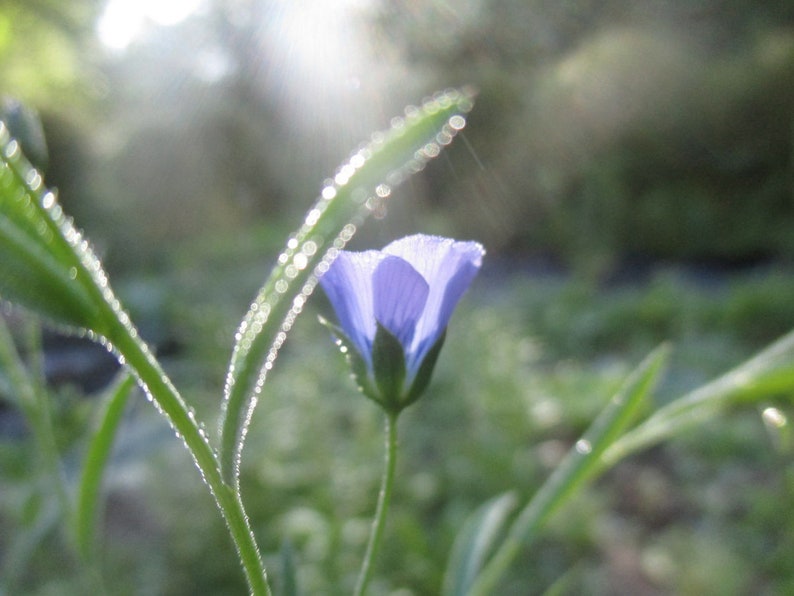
(605, 130)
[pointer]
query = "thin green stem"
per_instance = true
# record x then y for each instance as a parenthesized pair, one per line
(384, 498)
(159, 387)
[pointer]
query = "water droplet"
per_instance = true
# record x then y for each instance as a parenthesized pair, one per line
(357, 160)
(313, 216)
(412, 112)
(300, 261)
(281, 286)
(583, 446)
(309, 248)
(444, 138)
(73, 273)
(431, 150)
(12, 149)
(774, 418)
(457, 122)
(348, 231)
(383, 190)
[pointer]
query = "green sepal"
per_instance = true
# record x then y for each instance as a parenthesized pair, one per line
(422, 378)
(358, 366)
(388, 368)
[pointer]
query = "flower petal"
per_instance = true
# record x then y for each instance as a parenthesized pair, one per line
(348, 285)
(399, 294)
(449, 267)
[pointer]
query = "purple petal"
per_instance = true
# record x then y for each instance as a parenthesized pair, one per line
(348, 285)
(399, 295)
(449, 267)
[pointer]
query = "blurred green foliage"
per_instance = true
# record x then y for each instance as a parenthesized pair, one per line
(541, 355)
(604, 130)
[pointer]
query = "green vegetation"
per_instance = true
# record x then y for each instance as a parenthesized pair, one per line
(540, 355)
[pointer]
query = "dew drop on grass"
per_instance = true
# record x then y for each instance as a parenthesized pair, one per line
(457, 122)
(12, 149)
(774, 418)
(583, 447)
(48, 200)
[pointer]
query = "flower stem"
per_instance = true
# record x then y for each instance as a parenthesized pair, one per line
(384, 498)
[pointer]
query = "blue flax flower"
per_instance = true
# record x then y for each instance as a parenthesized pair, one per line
(393, 307)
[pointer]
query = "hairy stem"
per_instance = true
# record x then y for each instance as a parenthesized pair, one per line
(159, 387)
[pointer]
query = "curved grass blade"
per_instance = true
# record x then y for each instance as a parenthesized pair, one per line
(359, 187)
(474, 543)
(580, 465)
(96, 459)
(769, 373)
(45, 264)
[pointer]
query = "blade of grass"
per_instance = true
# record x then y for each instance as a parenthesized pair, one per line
(86, 513)
(45, 263)
(475, 542)
(359, 187)
(768, 373)
(580, 465)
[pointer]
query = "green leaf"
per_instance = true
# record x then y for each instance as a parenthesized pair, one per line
(96, 460)
(361, 186)
(581, 464)
(388, 366)
(769, 373)
(475, 542)
(45, 264)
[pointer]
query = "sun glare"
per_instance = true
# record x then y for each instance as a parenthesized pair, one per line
(327, 68)
(123, 20)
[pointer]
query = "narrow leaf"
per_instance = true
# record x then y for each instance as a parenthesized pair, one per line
(95, 462)
(361, 186)
(769, 373)
(580, 465)
(474, 543)
(45, 264)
